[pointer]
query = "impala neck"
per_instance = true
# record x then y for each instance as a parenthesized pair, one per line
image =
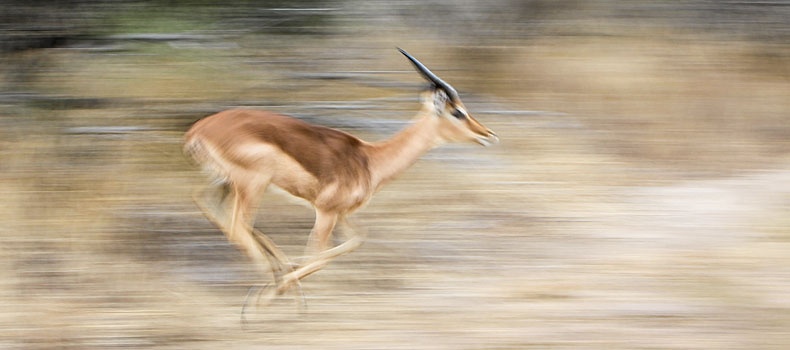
(391, 157)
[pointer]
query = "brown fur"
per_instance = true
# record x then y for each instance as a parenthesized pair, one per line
(329, 155)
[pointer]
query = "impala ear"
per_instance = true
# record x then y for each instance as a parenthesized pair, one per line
(440, 99)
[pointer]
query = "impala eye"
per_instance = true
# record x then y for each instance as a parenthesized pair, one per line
(458, 114)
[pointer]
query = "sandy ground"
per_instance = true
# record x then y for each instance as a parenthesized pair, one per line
(591, 225)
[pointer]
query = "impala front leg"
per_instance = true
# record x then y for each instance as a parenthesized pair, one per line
(322, 231)
(319, 261)
(318, 240)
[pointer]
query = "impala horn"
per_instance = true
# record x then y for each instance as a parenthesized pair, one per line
(428, 75)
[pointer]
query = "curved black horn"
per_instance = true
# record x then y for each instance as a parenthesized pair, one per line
(427, 74)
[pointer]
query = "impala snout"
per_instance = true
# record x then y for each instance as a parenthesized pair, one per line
(482, 135)
(487, 140)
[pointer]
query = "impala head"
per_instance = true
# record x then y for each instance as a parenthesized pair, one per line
(443, 102)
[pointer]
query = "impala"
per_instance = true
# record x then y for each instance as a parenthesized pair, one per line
(247, 151)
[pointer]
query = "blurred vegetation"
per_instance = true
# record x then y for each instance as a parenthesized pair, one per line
(638, 199)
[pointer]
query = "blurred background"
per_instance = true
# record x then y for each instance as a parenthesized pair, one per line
(638, 199)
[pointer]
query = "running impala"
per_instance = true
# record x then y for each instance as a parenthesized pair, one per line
(247, 151)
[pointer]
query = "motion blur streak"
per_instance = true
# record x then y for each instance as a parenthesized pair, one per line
(638, 199)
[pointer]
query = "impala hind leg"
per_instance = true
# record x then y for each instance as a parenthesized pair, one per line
(231, 209)
(255, 243)
(214, 200)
